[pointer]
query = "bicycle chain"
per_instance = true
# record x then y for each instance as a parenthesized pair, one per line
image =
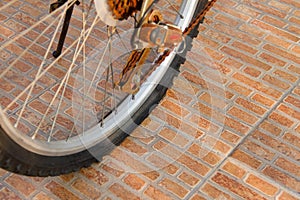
(166, 53)
(188, 30)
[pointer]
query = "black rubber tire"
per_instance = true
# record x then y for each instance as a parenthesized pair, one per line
(16, 159)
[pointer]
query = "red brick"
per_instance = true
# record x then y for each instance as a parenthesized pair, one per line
(213, 54)
(197, 197)
(258, 150)
(263, 100)
(61, 192)
(179, 96)
(227, 30)
(189, 179)
(177, 123)
(246, 58)
(233, 63)
(8, 194)
(209, 113)
(289, 166)
(244, 47)
(246, 158)
(212, 100)
(227, 20)
(173, 137)
(277, 145)
(230, 137)
(285, 54)
(282, 178)
(243, 115)
(211, 158)
(194, 79)
(266, 9)
(217, 145)
(286, 196)
(209, 42)
(162, 164)
(295, 20)
(273, 21)
(271, 128)
(293, 68)
(131, 146)
(250, 29)
(290, 111)
(21, 184)
(272, 59)
(276, 82)
(86, 189)
(67, 177)
(278, 41)
(6, 86)
(6, 31)
(281, 119)
(258, 85)
(232, 12)
(173, 187)
(296, 49)
(94, 175)
(292, 139)
(252, 71)
(217, 36)
(275, 30)
(234, 169)
(122, 193)
(214, 193)
(167, 149)
(156, 194)
(245, 91)
(136, 165)
(194, 165)
(236, 125)
(134, 181)
(294, 29)
(285, 75)
(280, 6)
(235, 187)
(261, 185)
(175, 108)
(250, 106)
(292, 100)
(42, 196)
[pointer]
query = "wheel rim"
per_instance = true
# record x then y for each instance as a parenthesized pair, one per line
(38, 142)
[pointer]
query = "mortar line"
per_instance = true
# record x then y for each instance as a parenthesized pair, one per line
(266, 115)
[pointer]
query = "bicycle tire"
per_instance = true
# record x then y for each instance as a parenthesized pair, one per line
(16, 158)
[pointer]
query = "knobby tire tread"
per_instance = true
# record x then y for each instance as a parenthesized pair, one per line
(16, 159)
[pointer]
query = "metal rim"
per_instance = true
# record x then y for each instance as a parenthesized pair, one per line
(113, 122)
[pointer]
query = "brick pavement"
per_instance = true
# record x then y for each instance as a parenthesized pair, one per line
(228, 129)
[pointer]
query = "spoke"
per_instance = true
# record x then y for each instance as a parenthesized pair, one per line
(9, 4)
(104, 99)
(85, 33)
(112, 71)
(175, 9)
(93, 79)
(40, 68)
(64, 82)
(97, 19)
(30, 29)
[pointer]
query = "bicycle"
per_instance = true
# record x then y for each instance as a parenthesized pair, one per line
(64, 110)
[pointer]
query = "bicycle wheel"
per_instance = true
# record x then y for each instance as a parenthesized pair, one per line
(60, 114)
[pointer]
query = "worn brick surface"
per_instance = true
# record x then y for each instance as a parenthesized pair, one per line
(228, 128)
